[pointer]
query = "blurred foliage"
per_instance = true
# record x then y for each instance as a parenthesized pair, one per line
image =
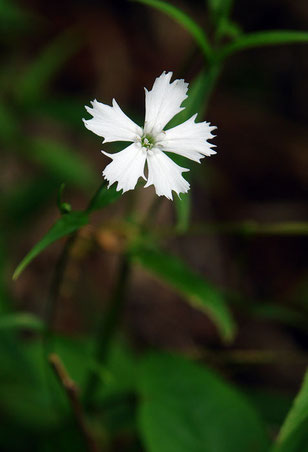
(145, 400)
(177, 398)
(198, 292)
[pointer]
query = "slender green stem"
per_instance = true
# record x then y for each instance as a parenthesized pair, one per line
(108, 326)
(54, 292)
(237, 228)
(55, 286)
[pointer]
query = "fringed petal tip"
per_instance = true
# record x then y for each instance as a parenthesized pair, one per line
(110, 122)
(163, 102)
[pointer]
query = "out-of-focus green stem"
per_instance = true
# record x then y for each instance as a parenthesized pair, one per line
(108, 326)
(241, 228)
(54, 292)
(57, 279)
(210, 78)
(261, 39)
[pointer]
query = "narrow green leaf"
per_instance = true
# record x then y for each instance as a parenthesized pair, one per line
(21, 320)
(188, 408)
(183, 209)
(62, 161)
(103, 197)
(263, 38)
(196, 290)
(293, 436)
(183, 19)
(64, 226)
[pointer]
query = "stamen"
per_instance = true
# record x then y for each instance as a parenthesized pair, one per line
(147, 141)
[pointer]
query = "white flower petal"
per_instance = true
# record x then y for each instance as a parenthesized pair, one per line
(163, 102)
(126, 167)
(111, 123)
(188, 139)
(164, 174)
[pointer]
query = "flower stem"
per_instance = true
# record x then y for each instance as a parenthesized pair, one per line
(72, 392)
(108, 326)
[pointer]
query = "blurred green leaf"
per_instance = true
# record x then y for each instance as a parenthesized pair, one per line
(25, 400)
(103, 197)
(293, 436)
(76, 354)
(282, 314)
(183, 19)
(21, 320)
(12, 17)
(34, 82)
(196, 290)
(263, 38)
(185, 407)
(272, 404)
(63, 162)
(67, 224)
(67, 110)
(183, 208)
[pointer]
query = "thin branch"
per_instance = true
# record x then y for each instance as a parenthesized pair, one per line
(72, 393)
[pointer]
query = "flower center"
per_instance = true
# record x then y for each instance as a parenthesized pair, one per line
(147, 141)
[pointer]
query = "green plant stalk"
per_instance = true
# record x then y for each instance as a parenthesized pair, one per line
(55, 286)
(59, 271)
(108, 326)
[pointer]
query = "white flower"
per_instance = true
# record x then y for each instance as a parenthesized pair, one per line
(149, 144)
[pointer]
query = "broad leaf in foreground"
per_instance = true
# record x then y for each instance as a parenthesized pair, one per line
(185, 407)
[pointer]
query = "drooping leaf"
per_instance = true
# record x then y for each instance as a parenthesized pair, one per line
(64, 226)
(264, 38)
(293, 436)
(196, 290)
(185, 407)
(183, 19)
